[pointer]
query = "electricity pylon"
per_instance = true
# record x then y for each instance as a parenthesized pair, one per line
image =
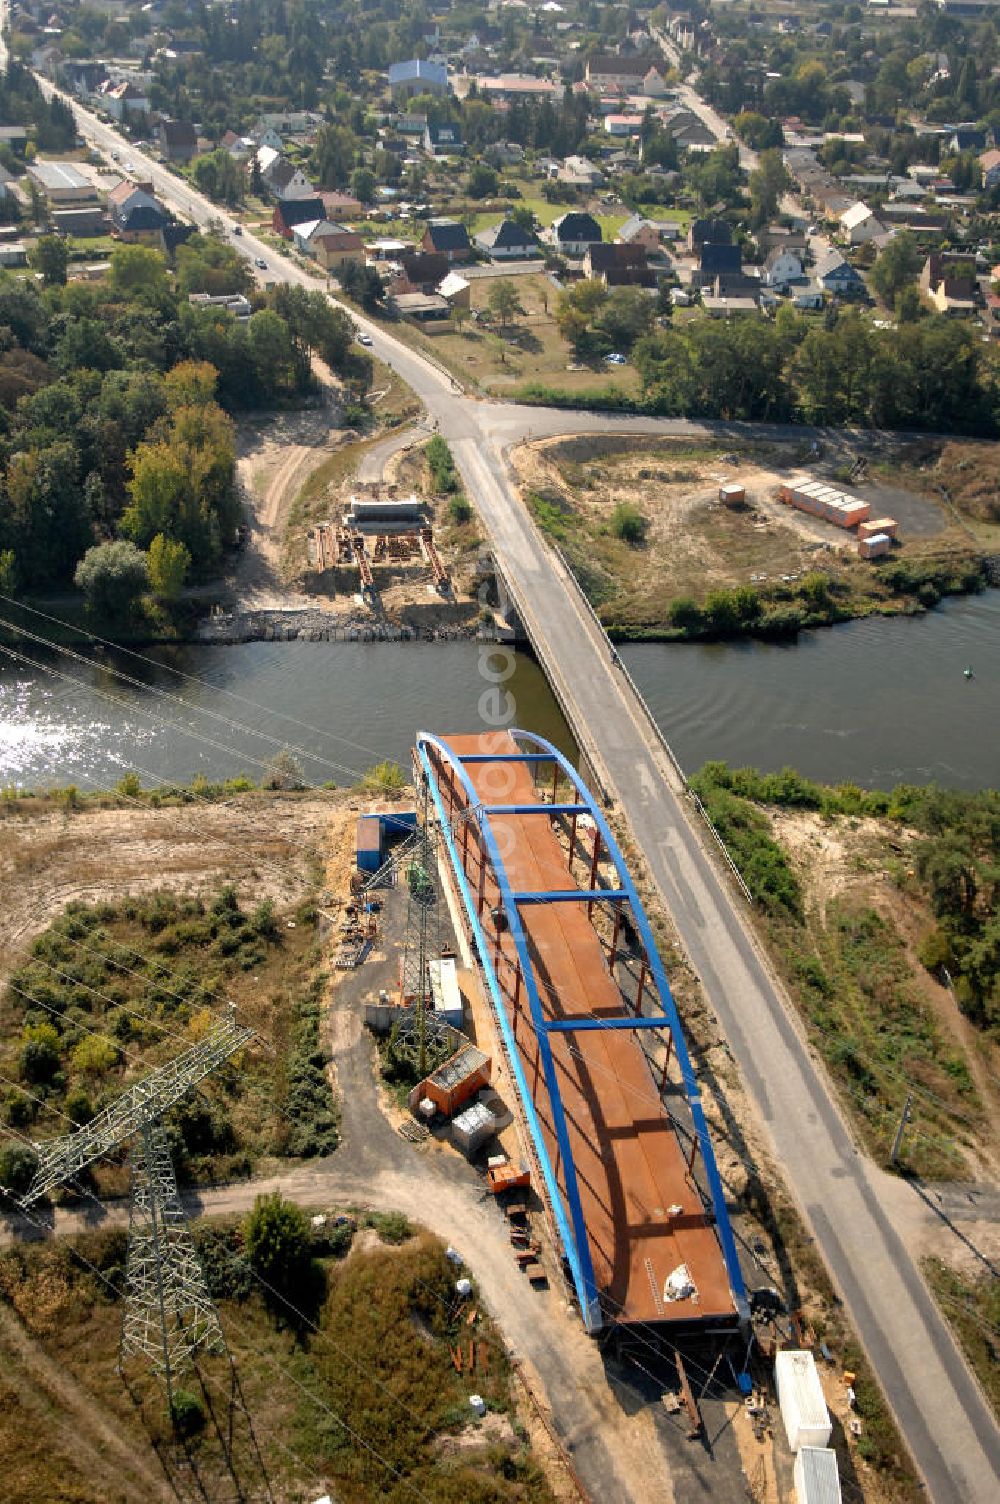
(420, 946)
(169, 1315)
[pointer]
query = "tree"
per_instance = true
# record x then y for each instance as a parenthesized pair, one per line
(8, 572)
(138, 270)
(283, 772)
(169, 563)
(50, 256)
(628, 314)
(277, 1241)
(896, 267)
(504, 302)
(482, 181)
(333, 156)
(768, 182)
(112, 576)
(363, 284)
(628, 523)
(190, 383)
(363, 185)
(270, 347)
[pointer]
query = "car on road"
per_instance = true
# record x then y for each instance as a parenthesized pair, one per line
(364, 339)
(259, 261)
(128, 166)
(237, 229)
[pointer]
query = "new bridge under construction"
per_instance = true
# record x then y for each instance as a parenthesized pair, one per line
(592, 1036)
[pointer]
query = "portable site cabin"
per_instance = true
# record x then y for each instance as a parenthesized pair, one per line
(876, 546)
(801, 1400)
(817, 1480)
(456, 1081)
(887, 525)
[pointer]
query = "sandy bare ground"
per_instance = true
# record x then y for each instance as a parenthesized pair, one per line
(273, 462)
(49, 859)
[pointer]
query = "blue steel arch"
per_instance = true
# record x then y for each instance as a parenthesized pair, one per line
(572, 1229)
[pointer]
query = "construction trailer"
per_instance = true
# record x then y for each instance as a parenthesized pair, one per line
(887, 525)
(732, 494)
(801, 1399)
(875, 547)
(591, 1033)
(821, 500)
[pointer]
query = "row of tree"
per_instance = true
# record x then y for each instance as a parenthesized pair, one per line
(934, 374)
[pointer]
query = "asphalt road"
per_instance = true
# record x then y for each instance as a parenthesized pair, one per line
(950, 1431)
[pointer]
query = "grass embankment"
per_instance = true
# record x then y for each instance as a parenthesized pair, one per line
(693, 568)
(847, 943)
(369, 1406)
(972, 1307)
(111, 990)
(965, 475)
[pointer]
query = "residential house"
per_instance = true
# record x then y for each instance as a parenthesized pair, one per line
(510, 86)
(422, 307)
(989, 164)
(728, 307)
(178, 140)
(443, 140)
(808, 299)
(417, 271)
(635, 74)
(504, 154)
(619, 265)
(507, 241)
(266, 135)
(417, 77)
(716, 259)
(341, 205)
(285, 123)
(456, 290)
(332, 246)
(448, 238)
(708, 231)
(835, 275)
(949, 280)
(240, 148)
(859, 224)
(136, 215)
(285, 181)
(967, 138)
(290, 212)
(579, 172)
(574, 233)
(125, 101)
(639, 231)
(781, 267)
(623, 125)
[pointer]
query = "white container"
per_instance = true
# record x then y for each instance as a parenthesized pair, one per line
(817, 1480)
(463, 1287)
(801, 1400)
(472, 1128)
(478, 1404)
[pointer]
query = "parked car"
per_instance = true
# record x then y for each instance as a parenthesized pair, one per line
(259, 261)
(364, 339)
(614, 359)
(237, 229)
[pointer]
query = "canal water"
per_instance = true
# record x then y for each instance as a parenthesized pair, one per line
(878, 702)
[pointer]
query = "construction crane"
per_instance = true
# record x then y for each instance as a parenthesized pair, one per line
(168, 1315)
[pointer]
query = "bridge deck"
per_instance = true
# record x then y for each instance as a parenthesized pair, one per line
(631, 1169)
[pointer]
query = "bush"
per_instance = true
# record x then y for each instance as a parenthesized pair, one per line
(460, 509)
(384, 778)
(187, 1413)
(392, 1227)
(628, 523)
(444, 478)
(18, 1164)
(279, 1249)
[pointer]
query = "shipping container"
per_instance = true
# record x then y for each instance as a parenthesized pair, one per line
(801, 1400)
(472, 1127)
(370, 844)
(732, 494)
(817, 1480)
(887, 525)
(445, 991)
(875, 547)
